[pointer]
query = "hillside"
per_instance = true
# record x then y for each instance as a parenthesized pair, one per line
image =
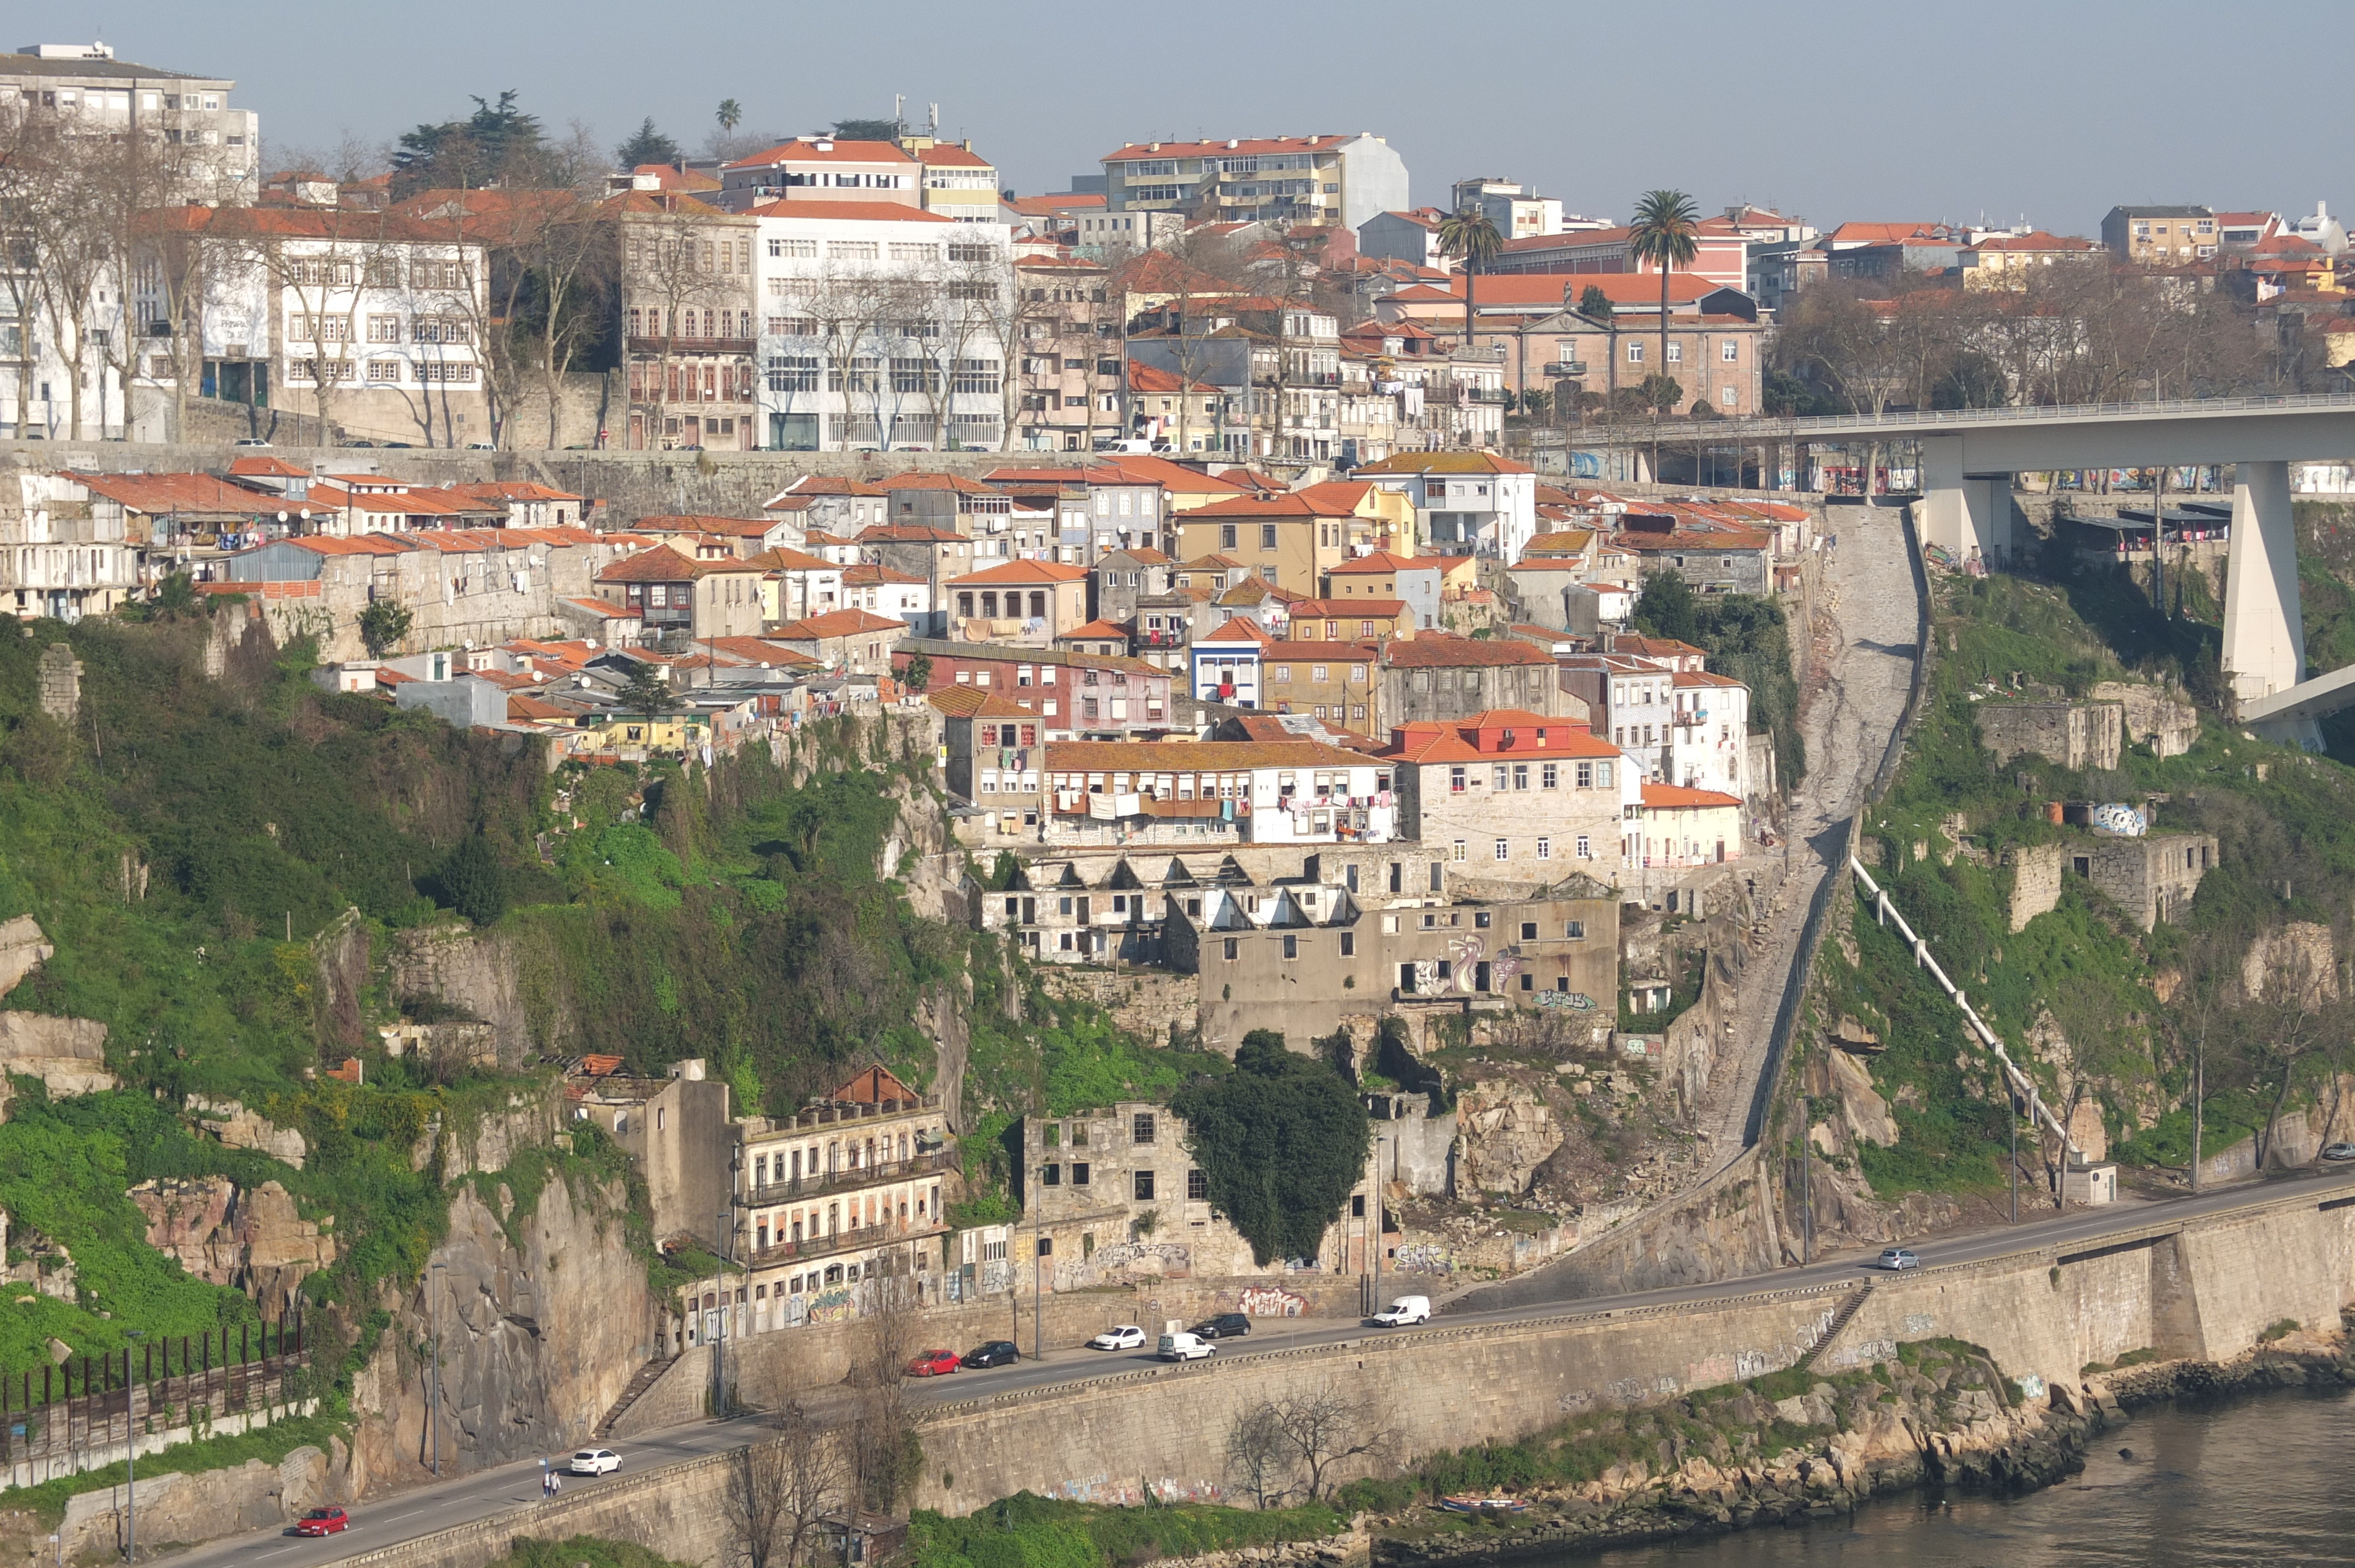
(2111, 1016)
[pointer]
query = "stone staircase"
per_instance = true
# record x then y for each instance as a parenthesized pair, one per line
(1840, 1318)
(646, 1377)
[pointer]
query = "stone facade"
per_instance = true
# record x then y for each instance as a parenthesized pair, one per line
(2157, 716)
(2152, 879)
(60, 681)
(2035, 881)
(2077, 735)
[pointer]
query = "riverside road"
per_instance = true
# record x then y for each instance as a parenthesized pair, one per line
(420, 1510)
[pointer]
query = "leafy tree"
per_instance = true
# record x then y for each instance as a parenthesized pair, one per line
(647, 693)
(867, 130)
(918, 675)
(176, 597)
(1746, 637)
(1595, 304)
(1470, 235)
(646, 145)
(472, 881)
(1280, 1141)
(1661, 393)
(1665, 232)
(382, 626)
(496, 144)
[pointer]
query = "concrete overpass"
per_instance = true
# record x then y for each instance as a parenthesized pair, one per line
(1970, 456)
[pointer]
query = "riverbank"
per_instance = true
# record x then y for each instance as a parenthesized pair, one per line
(1722, 1460)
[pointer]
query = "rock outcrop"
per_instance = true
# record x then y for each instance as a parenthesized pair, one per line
(68, 1055)
(476, 976)
(545, 1316)
(254, 1241)
(1506, 1132)
(23, 949)
(177, 1510)
(238, 1128)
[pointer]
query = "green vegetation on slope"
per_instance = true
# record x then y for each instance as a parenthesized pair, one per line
(1745, 636)
(1030, 1531)
(1280, 1143)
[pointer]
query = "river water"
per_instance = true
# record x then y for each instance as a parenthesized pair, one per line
(2260, 1482)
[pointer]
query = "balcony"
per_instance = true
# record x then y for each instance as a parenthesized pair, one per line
(851, 1239)
(826, 1181)
(739, 346)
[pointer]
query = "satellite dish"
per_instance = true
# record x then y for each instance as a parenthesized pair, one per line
(281, 517)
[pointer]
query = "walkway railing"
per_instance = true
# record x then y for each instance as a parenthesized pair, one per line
(1758, 427)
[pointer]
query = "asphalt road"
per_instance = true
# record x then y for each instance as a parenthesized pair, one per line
(424, 1509)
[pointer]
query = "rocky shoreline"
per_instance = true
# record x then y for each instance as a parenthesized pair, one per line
(1883, 1446)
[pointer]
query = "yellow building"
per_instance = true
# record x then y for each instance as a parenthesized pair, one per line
(2008, 261)
(1290, 540)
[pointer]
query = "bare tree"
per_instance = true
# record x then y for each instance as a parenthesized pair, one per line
(1315, 1431)
(887, 1452)
(1258, 1456)
(781, 1489)
(2298, 1011)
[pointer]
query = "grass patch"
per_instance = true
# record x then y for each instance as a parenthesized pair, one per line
(1030, 1531)
(270, 1443)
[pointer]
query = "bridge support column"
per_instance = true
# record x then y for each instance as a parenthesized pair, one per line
(2264, 640)
(1962, 512)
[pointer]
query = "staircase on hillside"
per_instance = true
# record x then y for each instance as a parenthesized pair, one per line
(1848, 1309)
(646, 1377)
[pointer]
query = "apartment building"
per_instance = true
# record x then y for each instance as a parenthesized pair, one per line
(1439, 678)
(1466, 504)
(61, 557)
(1072, 694)
(883, 326)
(1514, 796)
(2010, 261)
(1291, 539)
(210, 149)
(2160, 236)
(1319, 179)
(1025, 604)
(1271, 371)
(1069, 343)
(1287, 791)
(371, 321)
(689, 355)
(822, 169)
(959, 182)
(1518, 212)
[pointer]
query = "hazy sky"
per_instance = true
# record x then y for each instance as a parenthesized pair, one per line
(1830, 109)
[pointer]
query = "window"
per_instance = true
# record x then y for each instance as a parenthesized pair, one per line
(1520, 775)
(1144, 1186)
(907, 250)
(1267, 535)
(852, 250)
(1634, 352)
(1585, 847)
(1051, 1175)
(1141, 1126)
(1545, 849)
(384, 329)
(1230, 946)
(1603, 776)
(1348, 944)
(1226, 536)
(982, 253)
(964, 289)
(1504, 849)
(1675, 354)
(1197, 1187)
(1575, 930)
(795, 373)
(1458, 856)
(384, 372)
(1079, 1171)
(1729, 351)
(1291, 947)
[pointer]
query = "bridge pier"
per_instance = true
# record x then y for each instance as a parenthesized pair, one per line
(1964, 513)
(2265, 634)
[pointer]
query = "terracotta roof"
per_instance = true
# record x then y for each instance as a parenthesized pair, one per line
(698, 522)
(1193, 756)
(1242, 147)
(804, 149)
(950, 156)
(1339, 651)
(1382, 563)
(847, 211)
(1432, 651)
(1237, 629)
(1626, 290)
(784, 559)
(1143, 377)
(265, 468)
(155, 493)
(874, 576)
(663, 564)
(526, 709)
(952, 481)
(810, 484)
(896, 533)
(836, 623)
(2038, 241)
(1284, 504)
(1458, 740)
(756, 651)
(1444, 463)
(604, 606)
(1097, 630)
(1338, 609)
(1055, 206)
(1211, 563)
(1668, 797)
(1022, 572)
(977, 701)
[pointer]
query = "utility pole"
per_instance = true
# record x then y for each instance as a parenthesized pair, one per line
(130, 1454)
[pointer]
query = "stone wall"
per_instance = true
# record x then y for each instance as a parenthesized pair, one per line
(2160, 718)
(1153, 1005)
(2035, 882)
(2077, 735)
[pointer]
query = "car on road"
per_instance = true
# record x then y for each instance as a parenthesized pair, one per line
(1120, 1337)
(324, 1521)
(1897, 1258)
(249, 441)
(2339, 1151)
(1223, 1326)
(1404, 1310)
(995, 1353)
(932, 1364)
(1185, 1347)
(595, 1462)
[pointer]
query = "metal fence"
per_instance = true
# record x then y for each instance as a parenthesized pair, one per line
(81, 1407)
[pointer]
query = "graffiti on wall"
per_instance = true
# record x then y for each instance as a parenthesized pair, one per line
(1270, 1301)
(1169, 1260)
(1422, 1257)
(1576, 1000)
(838, 1305)
(1102, 1489)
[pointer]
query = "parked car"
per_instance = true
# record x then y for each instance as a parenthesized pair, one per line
(1896, 1258)
(995, 1353)
(1185, 1347)
(1122, 1337)
(1404, 1310)
(324, 1521)
(595, 1462)
(932, 1364)
(482, 445)
(1223, 1326)
(249, 441)
(2339, 1151)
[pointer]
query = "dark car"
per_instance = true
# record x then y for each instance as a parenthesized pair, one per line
(323, 1521)
(1223, 1326)
(997, 1353)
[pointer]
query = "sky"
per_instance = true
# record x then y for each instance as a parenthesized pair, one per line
(2052, 110)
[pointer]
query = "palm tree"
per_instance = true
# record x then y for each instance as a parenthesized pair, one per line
(730, 115)
(1665, 232)
(1470, 235)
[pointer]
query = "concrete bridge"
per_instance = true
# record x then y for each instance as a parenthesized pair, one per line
(1970, 456)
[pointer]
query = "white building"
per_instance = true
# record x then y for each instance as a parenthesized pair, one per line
(1518, 213)
(1465, 503)
(1323, 178)
(1709, 747)
(85, 92)
(882, 326)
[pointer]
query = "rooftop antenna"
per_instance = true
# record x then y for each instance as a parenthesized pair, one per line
(933, 128)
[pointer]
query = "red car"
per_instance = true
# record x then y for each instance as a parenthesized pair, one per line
(323, 1521)
(932, 1364)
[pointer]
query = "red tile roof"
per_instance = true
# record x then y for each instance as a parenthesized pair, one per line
(805, 149)
(836, 623)
(663, 564)
(1670, 797)
(1242, 147)
(1096, 630)
(1534, 735)
(847, 211)
(1434, 651)
(950, 156)
(1444, 462)
(1021, 572)
(1382, 563)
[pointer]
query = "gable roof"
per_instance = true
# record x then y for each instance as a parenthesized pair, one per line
(1382, 563)
(663, 564)
(1022, 572)
(1435, 651)
(836, 623)
(1444, 463)
(805, 149)
(847, 211)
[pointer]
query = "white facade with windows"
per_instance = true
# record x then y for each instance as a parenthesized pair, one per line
(881, 328)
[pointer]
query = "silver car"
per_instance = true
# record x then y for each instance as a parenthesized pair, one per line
(1897, 1258)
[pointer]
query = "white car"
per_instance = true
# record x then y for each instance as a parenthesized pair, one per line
(1122, 1337)
(1898, 1257)
(1186, 1346)
(595, 1462)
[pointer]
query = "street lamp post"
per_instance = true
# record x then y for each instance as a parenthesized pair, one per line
(130, 1454)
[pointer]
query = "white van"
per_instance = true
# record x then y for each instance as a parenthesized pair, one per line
(1186, 1346)
(1404, 1310)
